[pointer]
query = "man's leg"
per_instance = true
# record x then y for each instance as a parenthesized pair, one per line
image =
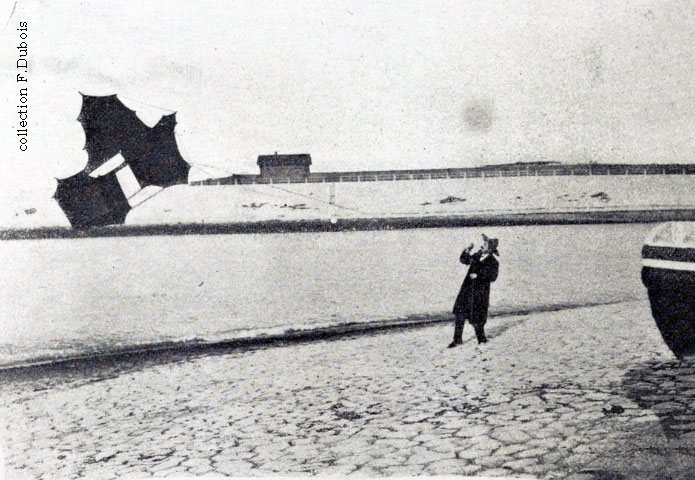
(458, 330)
(480, 332)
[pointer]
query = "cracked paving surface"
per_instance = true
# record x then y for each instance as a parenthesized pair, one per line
(583, 393)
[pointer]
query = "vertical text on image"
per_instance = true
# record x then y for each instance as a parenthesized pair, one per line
(22, 65)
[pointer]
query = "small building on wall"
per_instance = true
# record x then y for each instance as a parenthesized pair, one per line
(293, 165)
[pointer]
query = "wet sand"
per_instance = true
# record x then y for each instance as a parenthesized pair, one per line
(68, 297)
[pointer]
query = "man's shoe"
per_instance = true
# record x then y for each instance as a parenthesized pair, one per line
(454, 344)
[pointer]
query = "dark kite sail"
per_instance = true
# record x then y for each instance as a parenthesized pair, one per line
(92, 202)
(155, 160)
(108, 127)
(151, 153)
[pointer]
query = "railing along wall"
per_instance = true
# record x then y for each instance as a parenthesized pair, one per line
(435, 174)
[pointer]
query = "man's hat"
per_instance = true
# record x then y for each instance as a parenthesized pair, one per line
(492, 243)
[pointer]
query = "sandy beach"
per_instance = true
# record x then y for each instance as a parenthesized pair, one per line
(582, 393)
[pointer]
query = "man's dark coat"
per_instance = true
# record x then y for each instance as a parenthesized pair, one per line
(473, 299)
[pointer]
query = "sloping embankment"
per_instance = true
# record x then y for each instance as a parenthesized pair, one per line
(336, 206)
(361, 224)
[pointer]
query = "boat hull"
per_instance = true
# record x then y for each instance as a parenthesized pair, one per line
(672, 299)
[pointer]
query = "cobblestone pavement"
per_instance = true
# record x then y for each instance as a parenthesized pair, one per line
(584, 393)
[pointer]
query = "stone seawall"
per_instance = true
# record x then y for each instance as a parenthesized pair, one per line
(512, 170)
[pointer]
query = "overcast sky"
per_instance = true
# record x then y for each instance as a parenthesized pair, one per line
(359, 85)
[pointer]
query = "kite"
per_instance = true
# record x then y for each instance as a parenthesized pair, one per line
(150, 155)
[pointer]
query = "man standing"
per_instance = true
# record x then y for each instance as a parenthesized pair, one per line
(473, 299)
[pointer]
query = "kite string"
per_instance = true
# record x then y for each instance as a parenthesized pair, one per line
(146, 104)
(202, 166)
(146, 199)
(255, 190)
(199, 165)
(318, 200)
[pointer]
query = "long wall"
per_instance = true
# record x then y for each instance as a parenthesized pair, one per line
(508, 170)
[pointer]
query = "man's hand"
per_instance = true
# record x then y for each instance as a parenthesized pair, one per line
(474, 276)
